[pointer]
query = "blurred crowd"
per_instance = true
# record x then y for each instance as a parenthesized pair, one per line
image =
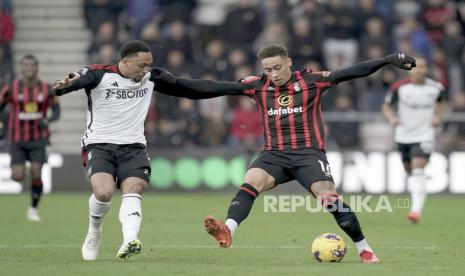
(218, 40)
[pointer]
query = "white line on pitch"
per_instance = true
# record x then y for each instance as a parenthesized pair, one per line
(200, 246)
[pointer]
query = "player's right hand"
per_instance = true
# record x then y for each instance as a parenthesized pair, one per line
(394, 121)
(66, 82)
(160, 74)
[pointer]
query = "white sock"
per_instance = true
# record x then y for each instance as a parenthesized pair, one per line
(130, 216)
(232, 225)
(363, 245)
(417, 186)
(97, 211)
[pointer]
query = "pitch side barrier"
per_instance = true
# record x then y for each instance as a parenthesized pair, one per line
(204, 170)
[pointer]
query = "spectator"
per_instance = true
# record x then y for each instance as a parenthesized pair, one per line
(435, 16)
(242, 24)
(246, 125)
(189, 122)
(106, 35)
(304, 43)
(151, 35)
(345, 134)
(340, 33)
(215, 60)
(139, 13)
(177, 38)
(96, 12)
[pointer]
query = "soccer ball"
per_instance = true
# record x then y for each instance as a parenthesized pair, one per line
(328, 247)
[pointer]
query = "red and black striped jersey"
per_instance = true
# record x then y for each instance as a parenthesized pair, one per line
(291, 113)
(27, 110)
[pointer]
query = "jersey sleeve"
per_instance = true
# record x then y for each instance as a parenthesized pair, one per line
(322, 79)
(5, 95)
(90, 78)
(392, 96)
(249, 85)
(442, 93)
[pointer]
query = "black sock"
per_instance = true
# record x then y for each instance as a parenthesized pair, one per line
(36, 191)
(242, 203)
(345, 218)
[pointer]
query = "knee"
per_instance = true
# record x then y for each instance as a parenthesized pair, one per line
(18, 177)
(323, 188)
(260, 180)
(260, 185)
(133, 187)
(103, 196)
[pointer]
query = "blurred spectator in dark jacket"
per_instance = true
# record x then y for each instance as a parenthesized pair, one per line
(177, 10)
(6, 67)
(189, 122)
(345, 133)
(96, 12)
(138, 13)
(366, 9)
(340, 34)
(242, 25)
(106, 35)
(151, 34)
(178, 38)
(215, 60)
(375, 34)
(305, 43)
(107, 55)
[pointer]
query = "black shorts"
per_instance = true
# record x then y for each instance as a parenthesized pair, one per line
(409, 151)
(34, 151)
(306, 166)
(121, 161)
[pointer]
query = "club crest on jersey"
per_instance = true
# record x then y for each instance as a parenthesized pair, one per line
(297, 87)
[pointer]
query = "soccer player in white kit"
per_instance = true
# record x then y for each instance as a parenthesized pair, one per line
(414, 106)
(114, 145)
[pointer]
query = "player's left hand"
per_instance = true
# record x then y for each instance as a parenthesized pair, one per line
(42, 123)
(161, 74)
(401, 60)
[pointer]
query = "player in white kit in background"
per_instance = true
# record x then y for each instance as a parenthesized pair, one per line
(114, 146)
(414, 106)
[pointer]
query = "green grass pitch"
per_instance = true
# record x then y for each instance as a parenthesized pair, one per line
(175, 242)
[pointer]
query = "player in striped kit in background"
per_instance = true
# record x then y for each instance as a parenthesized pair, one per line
(28, 100)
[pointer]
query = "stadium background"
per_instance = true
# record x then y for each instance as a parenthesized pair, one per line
(206, 145)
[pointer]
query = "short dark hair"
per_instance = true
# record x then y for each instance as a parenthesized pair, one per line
(131, 48)
(273, 51)
(30, 57)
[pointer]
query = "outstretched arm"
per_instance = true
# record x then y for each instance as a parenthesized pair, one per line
(75, 81)
(368, 67)
(168, 84)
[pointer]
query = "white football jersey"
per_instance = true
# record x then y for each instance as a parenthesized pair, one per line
(117, 106)
(415, 104)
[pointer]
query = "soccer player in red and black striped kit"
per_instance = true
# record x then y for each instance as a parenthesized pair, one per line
(29, 99)
(290, 104)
